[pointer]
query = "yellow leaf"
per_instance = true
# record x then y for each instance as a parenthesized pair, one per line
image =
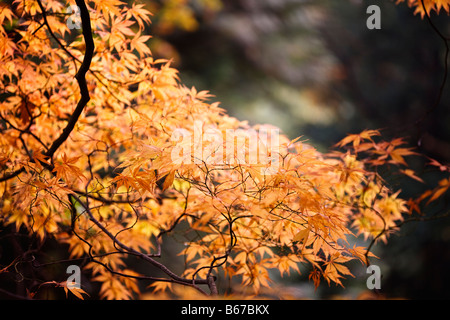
(445, 184)
(168, 181)
(356, 138)
(302, 236)
(410, 173)
(77, 292)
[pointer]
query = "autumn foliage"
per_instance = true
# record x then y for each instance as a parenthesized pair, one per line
(424, 7)
(87, 149)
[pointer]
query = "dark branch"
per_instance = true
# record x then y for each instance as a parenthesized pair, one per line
(447, 53)
(81, 78)
(141, 255)
(44, 15)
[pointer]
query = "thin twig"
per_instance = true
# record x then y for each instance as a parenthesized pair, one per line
(81, 78)
(130, 250)
(444, 80)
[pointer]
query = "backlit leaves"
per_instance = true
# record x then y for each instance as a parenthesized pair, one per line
(114, 188)
(424, 7)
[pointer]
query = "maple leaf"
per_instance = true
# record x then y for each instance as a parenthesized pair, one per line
(441, 167)
(398, 154)
(66, 169)
(160, 286)
(410, 173)
(166, 181)
(413, 205)
(141, 14)
(315, 275)
(26, 109)
(112, 287)
(335, 270)
(6, 13)
(425, 7)
(444, 185)
(77, 292)
(39, 155)
(355, 139)
(139, 44)
(301, 236)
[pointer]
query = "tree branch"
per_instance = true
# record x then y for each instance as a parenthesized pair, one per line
(81, 78)
(85, 98)
(141, 255)
(444, 80)
(44, 15)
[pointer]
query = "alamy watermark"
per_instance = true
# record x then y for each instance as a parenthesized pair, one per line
(74, 280)
(210, 145)
(374, 281)
(374, 20)
(74, 20)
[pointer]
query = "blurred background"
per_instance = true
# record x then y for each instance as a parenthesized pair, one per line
(313, 68)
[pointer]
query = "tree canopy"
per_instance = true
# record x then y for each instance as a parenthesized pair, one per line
(104, 151)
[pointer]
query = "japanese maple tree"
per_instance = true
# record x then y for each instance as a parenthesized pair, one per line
(103, 150)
